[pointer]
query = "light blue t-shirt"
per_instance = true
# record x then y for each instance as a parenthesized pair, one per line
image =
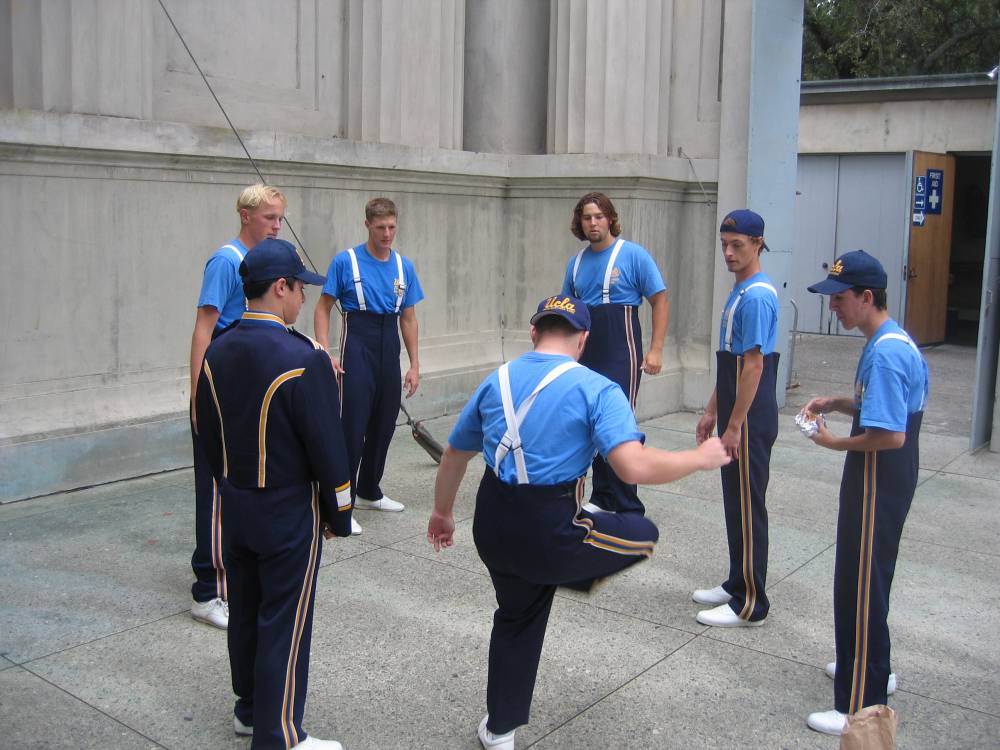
(221, 286)
(378, 281)
(634, 276)
(576, 415)
(891, 381)
(755, 322)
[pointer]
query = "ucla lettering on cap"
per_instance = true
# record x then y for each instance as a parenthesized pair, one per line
(856, 268)
(568, 308)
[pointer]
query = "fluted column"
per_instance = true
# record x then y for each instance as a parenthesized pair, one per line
(506, 76)
(609, 76)
(405, 71)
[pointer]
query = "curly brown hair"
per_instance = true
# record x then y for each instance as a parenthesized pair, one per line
(604, 203)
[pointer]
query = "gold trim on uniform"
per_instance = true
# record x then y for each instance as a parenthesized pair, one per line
(262, 430)
(250, 315)
(862, 605)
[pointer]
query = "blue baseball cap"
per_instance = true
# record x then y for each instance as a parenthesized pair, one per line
(570, 308)
(744, 221)
(274, 259)
(855, 268)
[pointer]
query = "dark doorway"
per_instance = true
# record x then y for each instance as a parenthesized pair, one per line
(968, 243)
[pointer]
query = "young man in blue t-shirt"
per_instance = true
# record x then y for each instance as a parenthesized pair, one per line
(612, 276)
(261, 209)
(745, 406)
(880, 477)
(377, 288)
(537, 422)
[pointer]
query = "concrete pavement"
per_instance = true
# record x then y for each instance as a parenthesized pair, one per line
(97, 649)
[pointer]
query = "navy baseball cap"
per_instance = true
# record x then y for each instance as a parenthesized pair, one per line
(744, 221)
(274, 259)
(856, 268)
(570, 308)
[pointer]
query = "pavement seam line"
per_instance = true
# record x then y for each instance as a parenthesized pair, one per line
(615, 690)
(118, 721)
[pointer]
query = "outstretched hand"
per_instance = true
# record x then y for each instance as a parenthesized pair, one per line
(713, 454)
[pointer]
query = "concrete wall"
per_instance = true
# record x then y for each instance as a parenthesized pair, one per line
(118, 178)
(940, 126)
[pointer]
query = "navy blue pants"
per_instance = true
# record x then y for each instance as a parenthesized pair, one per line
(533, 539)
(614, 349)
(206, 562)
(875, 496)
(744, 484)
(272, 546)
(369, 397)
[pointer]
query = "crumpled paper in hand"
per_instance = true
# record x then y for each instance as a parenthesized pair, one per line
(808, 423)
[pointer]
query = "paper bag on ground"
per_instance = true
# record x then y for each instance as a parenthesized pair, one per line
(871, 728)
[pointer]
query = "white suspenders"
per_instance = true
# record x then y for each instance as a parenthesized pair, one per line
(356, 272)
(511, 440)
(908, 340)
(238, 254)
(606, 291)
(730, 313)
(235, 250)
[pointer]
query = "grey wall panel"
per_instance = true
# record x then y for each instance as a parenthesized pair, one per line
(815, 236)
(871, 213)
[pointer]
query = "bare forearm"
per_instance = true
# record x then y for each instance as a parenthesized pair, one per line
(869, 440)
(661, 318)
(746, 391)
(449, 477)
(408, 330)
(321, 320)
(635, 463)
(204, 326)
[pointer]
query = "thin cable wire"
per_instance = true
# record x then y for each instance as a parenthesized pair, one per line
(232, 127)
(704, 192)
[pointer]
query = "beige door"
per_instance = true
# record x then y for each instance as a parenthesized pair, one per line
(930, 250)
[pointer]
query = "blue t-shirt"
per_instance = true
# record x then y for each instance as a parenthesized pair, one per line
(378, 281)
(755, 322)
(575, 416)
(634, 276)
(221, 286)
(891, 381)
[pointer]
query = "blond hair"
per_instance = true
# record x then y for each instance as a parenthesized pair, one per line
(255, 196)
(379, 208)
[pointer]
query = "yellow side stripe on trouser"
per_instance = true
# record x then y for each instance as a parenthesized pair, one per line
(746, 512)
(644, 552)
(633, 356)
(262, 428)
(301, 612)
(865, 550)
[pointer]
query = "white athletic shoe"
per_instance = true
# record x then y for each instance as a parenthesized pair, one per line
(492, 741)
(591, 508)
(718, 595)
(213, 612)
(828, 722)
(355, 527)
(311, 743)
(890, 688)
(385, 503)
(242, 729)
(724, 617)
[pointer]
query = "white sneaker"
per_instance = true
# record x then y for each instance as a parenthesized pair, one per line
(890, 687)
(492, 741)
(724, 617)
(828, 722)
(718, 595)
(591, 508)
(312, 743)
(213, 612)
(355, 527)
(386, 504)
(242, 729)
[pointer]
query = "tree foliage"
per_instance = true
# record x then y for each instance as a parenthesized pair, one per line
(874, 38)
